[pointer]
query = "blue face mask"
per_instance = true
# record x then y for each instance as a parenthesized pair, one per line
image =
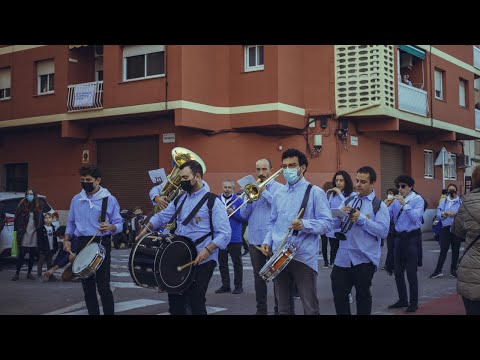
(291, 175)
(29, 197)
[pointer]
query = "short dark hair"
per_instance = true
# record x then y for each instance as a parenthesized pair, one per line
(60, 231)
(368, 170)
(406, 179)
(302, 158)
(393, 190)
(452, 184)
(92, 169)
(194, 166)
(348, 182)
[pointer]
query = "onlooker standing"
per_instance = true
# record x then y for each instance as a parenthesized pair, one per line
(446, 212)
(326, 187)
(2, 222)
(389, 263)
(467, 225)
(28, 218)
(47, 244)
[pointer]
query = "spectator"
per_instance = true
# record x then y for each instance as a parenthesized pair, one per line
(63, 259)
(389, 262)
(47, 244)
(406, 79)
(326, 187)
(2, 222)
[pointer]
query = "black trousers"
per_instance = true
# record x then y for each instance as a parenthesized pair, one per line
(389, 261)
(406, 257)
(99, 281)
(343, 279)
(235, 251)
(471, 307)
(334, 244)
(22, 251)
(448, 239)
(194, 296)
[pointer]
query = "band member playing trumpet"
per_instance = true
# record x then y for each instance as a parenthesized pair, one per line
(191, 174)
(84, 223)
(257, 213)
(358, 257)
(317, 220)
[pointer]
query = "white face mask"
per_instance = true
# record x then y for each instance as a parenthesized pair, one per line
(390, 196)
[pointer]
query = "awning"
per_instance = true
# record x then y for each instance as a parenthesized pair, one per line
(412, 50)
(75, 46)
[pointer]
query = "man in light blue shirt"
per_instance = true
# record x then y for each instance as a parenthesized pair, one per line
(316, 221)
(407, 213)
(358, 256)
(257, 213)
(84, 221)
(197, 229)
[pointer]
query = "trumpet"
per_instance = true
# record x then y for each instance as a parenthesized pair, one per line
(346, 222)
(241, 196)
(252, 192)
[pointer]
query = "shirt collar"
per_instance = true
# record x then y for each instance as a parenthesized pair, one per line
(369, 196)
(197, 193)
(298, 184)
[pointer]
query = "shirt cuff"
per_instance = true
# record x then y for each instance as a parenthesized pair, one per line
(361, 219)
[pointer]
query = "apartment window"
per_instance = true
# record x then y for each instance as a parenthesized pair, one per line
(5, 83)
(143, 61)
(253, 57)
(451, 169)
(462, 92)
(16, 177)
(45, 77)
(476, 89)
(428, 161)
(439, 84)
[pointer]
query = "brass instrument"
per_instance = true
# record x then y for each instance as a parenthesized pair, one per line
(346, 223)
(252, 192)
(242, 195)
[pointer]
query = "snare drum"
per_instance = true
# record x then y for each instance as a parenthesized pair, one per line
(154, 260)
(278, 262)
(89, 260)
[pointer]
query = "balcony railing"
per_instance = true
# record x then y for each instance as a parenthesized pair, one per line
(86, 96)
(477, 119)
(476, 57)
(412, 99)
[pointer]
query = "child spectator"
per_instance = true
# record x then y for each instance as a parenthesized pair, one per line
(47, 243)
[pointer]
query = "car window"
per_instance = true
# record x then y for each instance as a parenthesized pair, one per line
(11, 205)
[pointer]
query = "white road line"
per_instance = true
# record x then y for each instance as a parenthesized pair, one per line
(123, 306)
(120, 274)
(68, 308)
(124, 285)
(210, 310)
(115, 266)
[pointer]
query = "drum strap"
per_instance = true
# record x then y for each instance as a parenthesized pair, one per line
(103, 214)
(304, 204)
(211, 201)
(177, 210)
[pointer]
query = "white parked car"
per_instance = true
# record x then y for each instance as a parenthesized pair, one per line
(10, 201)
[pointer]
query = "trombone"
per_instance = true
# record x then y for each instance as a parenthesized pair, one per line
(252, 192)
(346, 223)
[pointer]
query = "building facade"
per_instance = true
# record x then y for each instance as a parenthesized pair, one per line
(126, 107)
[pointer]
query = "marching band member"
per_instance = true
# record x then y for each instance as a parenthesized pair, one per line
(83, 222)
(198, 228)
(359, 255)
(317, 220)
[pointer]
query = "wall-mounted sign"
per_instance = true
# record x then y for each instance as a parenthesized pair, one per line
(85, 157)
(168, 138)
(353, 140)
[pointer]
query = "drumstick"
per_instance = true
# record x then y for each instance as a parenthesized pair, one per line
(288, 233)
(180, 268)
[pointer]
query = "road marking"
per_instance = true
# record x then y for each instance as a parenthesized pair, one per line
(68, 308)
(120, 274)
(210, 310)
(123, 306)
(125, 285)
(115, 266)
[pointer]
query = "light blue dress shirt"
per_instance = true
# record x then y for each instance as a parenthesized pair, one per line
(411, 217)
(257, 213)
(85, 211)
(448, 204)
(363, 242)
(200, 223)
(317, 220)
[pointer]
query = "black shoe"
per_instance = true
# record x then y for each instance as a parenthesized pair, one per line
(398, 305)
(436, 274)
(237, 291)
(412, 308)
(261, 312)
(223, 289)
(453, 273)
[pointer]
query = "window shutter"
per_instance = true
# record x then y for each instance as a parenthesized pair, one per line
(5, 78)
(45, 67)
(438, 80)
(461, 92)
(134, 50)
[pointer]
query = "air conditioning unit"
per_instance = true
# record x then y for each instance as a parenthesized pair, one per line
(406, 60)
(98, 50)
(463, 161)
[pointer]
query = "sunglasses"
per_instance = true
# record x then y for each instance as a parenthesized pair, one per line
(403, 186)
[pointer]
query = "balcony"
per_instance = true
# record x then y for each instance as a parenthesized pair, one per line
(86, 96)
(412, 99)
(477, 119)
(476, 57)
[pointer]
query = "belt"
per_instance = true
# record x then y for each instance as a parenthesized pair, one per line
(90, 236)
(410, 233)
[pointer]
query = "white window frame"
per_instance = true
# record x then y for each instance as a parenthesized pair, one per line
(45, 69)
(462, 93)
(451, 170)
(429, 169)
(439, 84)
(135, 50)
(256, 66)
(5, 83)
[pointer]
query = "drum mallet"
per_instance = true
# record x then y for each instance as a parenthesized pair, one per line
(180, 268)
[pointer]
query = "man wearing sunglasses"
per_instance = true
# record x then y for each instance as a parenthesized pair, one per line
(407, 214)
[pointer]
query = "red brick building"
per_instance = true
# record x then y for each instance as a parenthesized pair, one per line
(126, 107)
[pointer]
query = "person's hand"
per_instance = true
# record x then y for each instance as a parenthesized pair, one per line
(355, 216)
(202, 255)
(346, 209)
(47, 274)
(266, 250)
(336, 190)
(71, 257)
(229, 210)
(389, 202)
(161, 202)
(106, 227)
(141, 234)
(297, 224)
(67, 245)
(400, 199)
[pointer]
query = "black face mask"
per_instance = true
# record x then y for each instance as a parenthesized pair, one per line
(87, 186)
(187, 185)
(452, 192)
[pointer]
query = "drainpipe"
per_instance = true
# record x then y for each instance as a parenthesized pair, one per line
(166, 78)
(432, 93)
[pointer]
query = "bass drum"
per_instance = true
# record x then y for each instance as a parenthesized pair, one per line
(154, 261)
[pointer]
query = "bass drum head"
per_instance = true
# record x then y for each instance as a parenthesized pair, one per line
(179, 252)
(84, 258)
(141, 261)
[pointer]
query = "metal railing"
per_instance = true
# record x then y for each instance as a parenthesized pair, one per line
(86, 96)
(476, 57)
(412, 99)
(477, 119)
